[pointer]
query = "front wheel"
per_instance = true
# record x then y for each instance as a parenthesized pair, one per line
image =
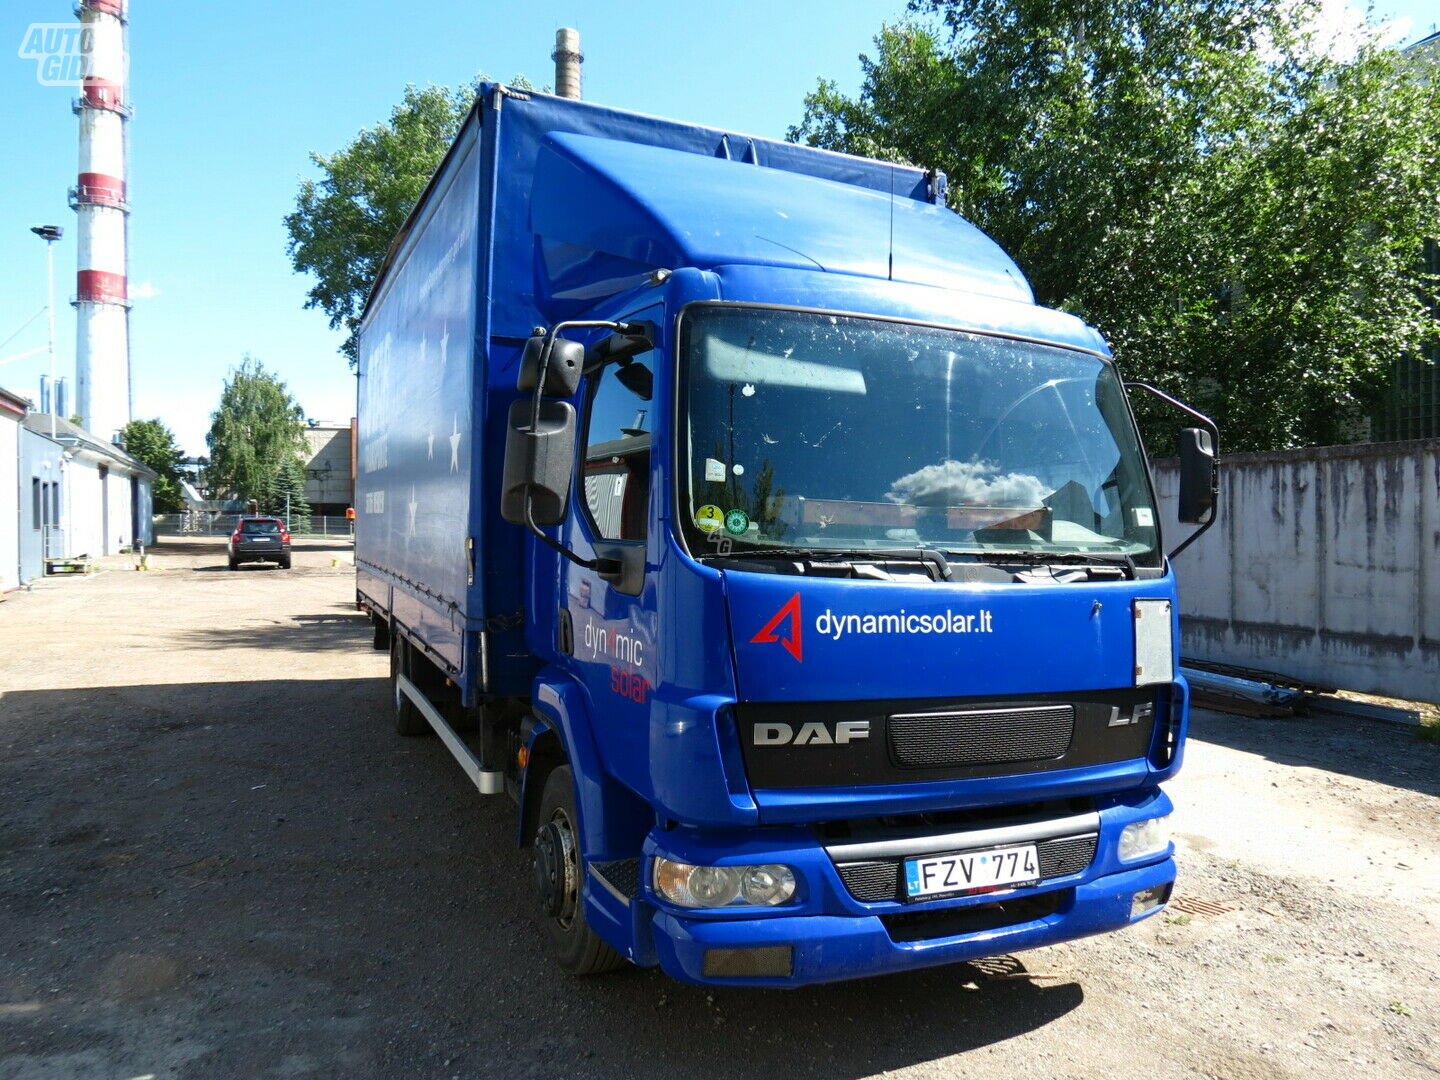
(559, 867)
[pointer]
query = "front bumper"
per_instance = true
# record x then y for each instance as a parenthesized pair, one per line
(832, 948)
(832, 930)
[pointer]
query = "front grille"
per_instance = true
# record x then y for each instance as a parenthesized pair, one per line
(875, 880)
(622, 875)
(982, 737)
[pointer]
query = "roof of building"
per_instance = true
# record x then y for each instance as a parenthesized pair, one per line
(74, 435)
(13, 403)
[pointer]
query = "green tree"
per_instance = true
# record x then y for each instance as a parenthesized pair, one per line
(153, 444)
(345, 221)
(1239, 211)
(257, 428)
(286, 495)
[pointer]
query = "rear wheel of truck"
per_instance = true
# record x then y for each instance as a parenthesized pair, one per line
(408, 719)
(559, 867)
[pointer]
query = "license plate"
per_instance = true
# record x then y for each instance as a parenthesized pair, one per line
(970, 870)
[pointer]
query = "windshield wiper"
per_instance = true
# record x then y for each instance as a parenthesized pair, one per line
(1047, 558)
(925, 556)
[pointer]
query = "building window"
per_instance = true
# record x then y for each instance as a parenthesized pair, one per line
(37, 502)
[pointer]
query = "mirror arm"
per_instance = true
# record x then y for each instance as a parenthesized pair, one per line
(600, 566)
(1209, 425)
(545, 357)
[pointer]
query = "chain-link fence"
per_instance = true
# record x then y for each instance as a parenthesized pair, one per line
(205, 523)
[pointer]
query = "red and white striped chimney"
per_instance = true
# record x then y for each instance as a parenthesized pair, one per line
(102, 306)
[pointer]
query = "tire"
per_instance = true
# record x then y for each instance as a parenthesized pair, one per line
(285, 563)
(234, 564)
(559, 869)
(381, 641)
(408, 719)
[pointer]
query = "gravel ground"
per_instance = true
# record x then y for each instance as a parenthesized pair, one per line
(217, 860)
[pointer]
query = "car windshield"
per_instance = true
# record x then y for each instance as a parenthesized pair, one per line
(816, 431)
(260, 527)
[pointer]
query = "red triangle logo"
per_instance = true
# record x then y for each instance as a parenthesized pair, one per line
(791, 612)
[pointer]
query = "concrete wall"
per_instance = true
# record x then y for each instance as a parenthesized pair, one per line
(327, 469)
(1325, 565)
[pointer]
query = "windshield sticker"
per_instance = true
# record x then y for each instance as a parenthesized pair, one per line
(737, 522)
(1144, 517)
(714, 470)
(709, 519)
(738, 470)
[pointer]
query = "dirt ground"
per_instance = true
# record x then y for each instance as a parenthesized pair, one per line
(217, 860)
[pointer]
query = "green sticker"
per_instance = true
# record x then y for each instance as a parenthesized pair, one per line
(709, 519)
(736, 522)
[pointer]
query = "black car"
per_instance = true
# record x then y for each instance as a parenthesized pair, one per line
(259, 539)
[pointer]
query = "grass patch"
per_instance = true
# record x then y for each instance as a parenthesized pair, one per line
(1275, 958)
(1178, 920)
(1399, 1008)
(1429, 729)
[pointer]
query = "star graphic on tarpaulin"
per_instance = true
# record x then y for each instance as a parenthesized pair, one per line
(455, 445)
(413, 507)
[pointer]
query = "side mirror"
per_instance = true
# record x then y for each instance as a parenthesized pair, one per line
(1199, 477)
(634, 339)
(638, 379)
(539, 463)
(562, 373)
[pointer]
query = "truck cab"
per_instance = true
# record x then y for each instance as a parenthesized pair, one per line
(848, 635)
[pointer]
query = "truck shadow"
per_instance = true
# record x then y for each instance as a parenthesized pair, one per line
(1366, 749)
(317, 888)
(342, 630)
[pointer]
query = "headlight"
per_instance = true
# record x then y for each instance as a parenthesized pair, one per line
(720, 886)
(1141, 838)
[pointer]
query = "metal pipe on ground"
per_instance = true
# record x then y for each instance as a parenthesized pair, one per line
(1229, 694)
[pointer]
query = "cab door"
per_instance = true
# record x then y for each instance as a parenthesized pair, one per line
(612, 626)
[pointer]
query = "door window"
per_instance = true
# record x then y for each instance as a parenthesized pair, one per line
(615, 472)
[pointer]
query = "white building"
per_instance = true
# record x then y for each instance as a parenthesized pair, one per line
(104, 494)
(12, 414)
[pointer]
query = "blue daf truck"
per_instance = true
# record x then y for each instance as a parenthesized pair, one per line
(731, 506)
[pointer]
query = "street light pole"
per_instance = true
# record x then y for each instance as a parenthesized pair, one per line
(50, 233)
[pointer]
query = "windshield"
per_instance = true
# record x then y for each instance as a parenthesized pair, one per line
(825, 431)
(260, 527)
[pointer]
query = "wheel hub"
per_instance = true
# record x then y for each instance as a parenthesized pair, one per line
(556, 869)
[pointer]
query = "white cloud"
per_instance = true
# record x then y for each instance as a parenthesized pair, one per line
(960, 483)
(146, 290)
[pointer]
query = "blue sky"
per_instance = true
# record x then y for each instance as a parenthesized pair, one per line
(230, 99)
